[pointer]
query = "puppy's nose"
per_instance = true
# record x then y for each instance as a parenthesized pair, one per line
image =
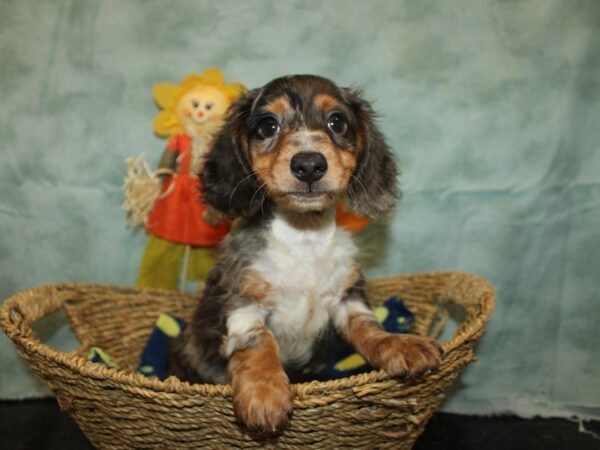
(308, 166)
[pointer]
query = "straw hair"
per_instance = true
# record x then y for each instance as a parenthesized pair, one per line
(142, 190)
(119, 409)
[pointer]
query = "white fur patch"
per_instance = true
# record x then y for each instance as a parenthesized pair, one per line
(308, 272)
(350, 308)
(242, 325)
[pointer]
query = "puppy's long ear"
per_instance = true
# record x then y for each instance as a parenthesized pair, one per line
(373, 189)
(229, 184)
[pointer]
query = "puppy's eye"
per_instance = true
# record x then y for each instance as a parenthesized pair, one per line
(268, 127)
(337, 123)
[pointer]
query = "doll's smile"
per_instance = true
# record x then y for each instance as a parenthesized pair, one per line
(199, 117)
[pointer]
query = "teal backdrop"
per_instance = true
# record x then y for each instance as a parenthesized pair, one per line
(492, 108)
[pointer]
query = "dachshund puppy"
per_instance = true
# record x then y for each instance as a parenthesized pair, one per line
(288, 153)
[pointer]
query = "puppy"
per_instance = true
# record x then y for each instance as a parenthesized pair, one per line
(288, 153)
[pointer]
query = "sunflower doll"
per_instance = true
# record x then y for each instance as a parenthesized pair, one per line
(182, 229)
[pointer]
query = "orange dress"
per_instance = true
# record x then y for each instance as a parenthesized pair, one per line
(179, 216)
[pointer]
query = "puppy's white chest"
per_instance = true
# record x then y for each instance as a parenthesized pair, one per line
(308, 272)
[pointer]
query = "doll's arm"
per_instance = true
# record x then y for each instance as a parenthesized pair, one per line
(168, 162)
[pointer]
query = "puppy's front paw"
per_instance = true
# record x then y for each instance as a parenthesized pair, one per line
(406, 355)
(264, 405)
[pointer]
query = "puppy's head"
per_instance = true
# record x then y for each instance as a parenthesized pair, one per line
(302, 144)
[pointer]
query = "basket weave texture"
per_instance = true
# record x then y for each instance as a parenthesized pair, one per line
(119, 409)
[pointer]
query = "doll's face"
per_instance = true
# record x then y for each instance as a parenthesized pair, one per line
(202, 109)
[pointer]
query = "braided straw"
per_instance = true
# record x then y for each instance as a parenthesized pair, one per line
(142, 190)
(118, 408)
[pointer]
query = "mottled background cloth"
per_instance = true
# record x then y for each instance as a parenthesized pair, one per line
(492, 108)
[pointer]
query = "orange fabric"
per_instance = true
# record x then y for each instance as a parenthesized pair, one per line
(179, 217)
(348, 220)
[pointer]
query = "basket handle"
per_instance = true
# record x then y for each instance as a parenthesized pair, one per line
(20, 311)
(477, 297)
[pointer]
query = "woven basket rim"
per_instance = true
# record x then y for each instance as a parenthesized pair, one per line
(25, 339)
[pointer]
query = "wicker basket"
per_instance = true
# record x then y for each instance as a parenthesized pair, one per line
(119, 409)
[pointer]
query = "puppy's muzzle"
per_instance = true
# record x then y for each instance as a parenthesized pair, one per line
(308, 167)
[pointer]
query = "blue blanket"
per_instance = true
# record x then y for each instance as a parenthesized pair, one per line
(342, 361)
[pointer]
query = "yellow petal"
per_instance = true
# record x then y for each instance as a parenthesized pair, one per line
(213, 76)
(165, 124)
(165, 94)
(233, 90)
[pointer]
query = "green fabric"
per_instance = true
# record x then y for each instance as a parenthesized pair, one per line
(492, 108)
(162, 263)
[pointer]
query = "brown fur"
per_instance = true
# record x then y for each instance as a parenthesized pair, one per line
(354, 278)
(262, 399)
(325, 102)
(254, 287)
(402, 355)
(280, 106)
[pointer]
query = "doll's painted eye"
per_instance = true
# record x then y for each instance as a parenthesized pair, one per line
(209, 105)
(195, 104)
(337, 123)
(268, 127)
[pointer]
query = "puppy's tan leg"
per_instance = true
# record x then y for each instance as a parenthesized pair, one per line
(402, 355)
(262, 399)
